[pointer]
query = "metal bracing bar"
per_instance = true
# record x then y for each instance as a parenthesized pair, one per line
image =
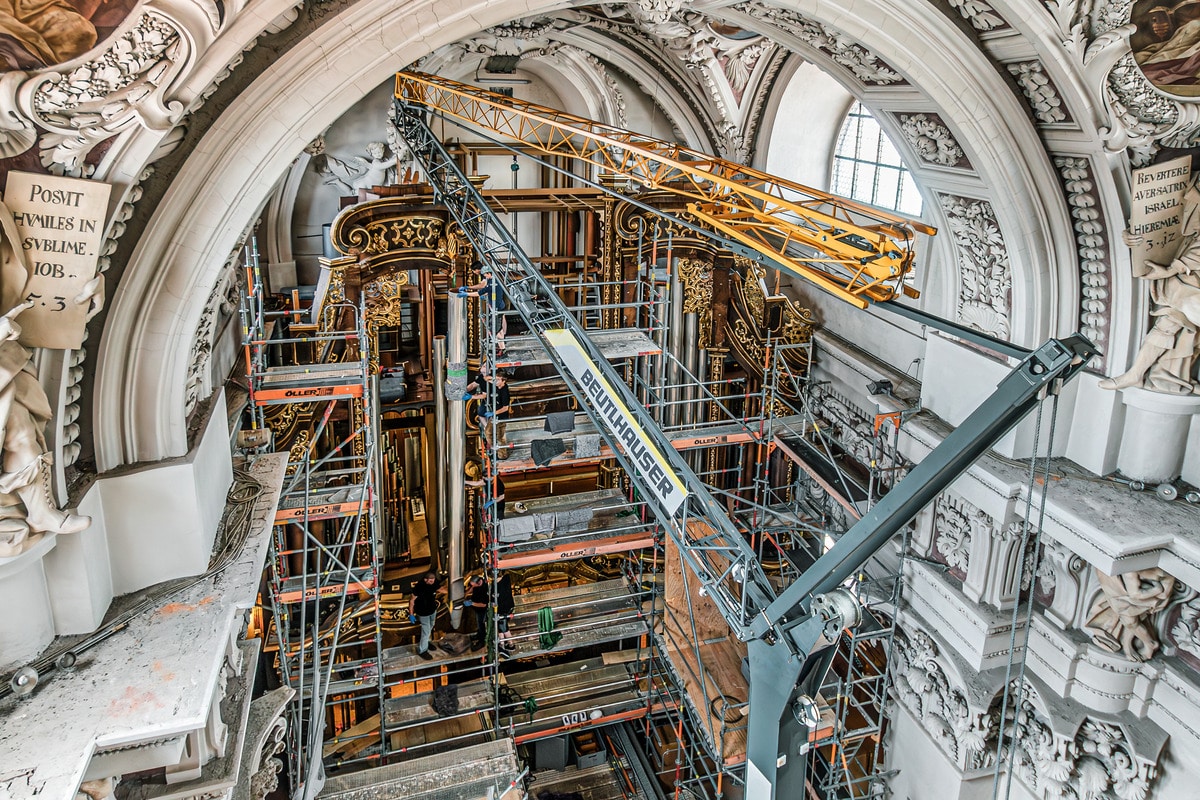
(542, 310)
(1015, 397)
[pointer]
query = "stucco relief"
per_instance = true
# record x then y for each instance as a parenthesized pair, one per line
(1097, 762)
(932, 141)
(924, 688)
(955, 523)
(840, 48)
(1091, 243)
(221, 305)
(81, 107)
(980, 14)
(1041, 93)
(1122, 618)
(984, 272)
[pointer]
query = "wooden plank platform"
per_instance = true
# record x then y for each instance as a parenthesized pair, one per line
(550, 530)
(404, 658)
(594, 783)
(615, 344)
(587, 614)
(521, 432)
(413, 709)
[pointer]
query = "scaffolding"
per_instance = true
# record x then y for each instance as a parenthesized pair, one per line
(730, 437)
(637, 594)
(323, 582)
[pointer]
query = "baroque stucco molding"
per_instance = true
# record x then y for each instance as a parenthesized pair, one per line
(1091, 241)
(160, 65)
(984, 271)
(980, 14)
(840, 49)
(932, 140)
(1043, 96)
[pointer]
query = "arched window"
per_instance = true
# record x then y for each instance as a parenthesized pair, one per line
(867, 167)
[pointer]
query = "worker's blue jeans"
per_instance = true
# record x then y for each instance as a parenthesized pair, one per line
(426, 631)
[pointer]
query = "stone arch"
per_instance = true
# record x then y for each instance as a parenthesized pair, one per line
(143, 358)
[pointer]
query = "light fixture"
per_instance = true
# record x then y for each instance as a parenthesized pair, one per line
(502, 64)
(880, 387)
(24, 681)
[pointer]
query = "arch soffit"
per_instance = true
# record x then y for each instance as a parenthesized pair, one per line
(144, 354)
(1015, 174)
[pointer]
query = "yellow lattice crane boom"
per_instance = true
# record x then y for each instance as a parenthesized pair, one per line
(857, 252)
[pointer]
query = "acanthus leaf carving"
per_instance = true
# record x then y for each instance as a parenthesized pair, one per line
(1040, 92)
(1091, 243)
(985, 279)
(932, 141)
(980, 14)
(81, 106)
(837, 46)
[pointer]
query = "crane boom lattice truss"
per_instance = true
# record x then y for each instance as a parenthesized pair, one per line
(791, 635)
(854, 251)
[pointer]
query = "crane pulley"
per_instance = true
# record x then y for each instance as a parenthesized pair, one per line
(856, 252)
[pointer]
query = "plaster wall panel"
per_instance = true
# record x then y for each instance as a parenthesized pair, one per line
(1176, 709)
(78, 572)
(26, 626)
(894, 341)
(1096, 424)
(957, 378)
(924, 771)
(811, 110)
(1191, 457)
(162, 520)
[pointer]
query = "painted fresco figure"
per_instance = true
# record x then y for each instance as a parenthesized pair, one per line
(27, 506)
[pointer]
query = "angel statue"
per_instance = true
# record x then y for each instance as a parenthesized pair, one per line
(358, 172)
(27, 506)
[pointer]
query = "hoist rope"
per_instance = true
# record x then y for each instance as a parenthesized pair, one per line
(1028, 534)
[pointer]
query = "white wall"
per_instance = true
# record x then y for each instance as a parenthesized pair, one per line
(807, 120)
(161, 520)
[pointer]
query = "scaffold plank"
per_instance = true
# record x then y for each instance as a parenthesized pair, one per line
(615, 344)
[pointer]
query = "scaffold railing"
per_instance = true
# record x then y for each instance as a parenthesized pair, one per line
(323, 581)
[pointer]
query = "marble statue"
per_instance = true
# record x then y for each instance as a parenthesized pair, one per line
(1167, 358)
(1120, 618)
(358, 173)
(27, 506)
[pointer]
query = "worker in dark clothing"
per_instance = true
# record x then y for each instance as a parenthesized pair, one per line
(479, 381)
(505, 605)
(493, 295)
(499, 409)
(496, 503)
(422, 607)
(477, 601)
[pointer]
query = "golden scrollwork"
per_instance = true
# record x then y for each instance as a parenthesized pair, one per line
(378, 236)
(384, 302)
(748, 325)
(696, 275)
(451, 244)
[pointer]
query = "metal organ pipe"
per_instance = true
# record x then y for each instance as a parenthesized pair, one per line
(438, 529)
(456, 436)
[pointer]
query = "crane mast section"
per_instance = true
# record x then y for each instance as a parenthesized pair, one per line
(859, 253)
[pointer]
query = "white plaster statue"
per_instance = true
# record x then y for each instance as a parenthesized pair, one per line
(1167, 358)
(357, 172)
(27, 507)
(1120, 619)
